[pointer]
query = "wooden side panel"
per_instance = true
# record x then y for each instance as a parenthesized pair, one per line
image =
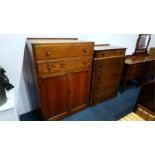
(79, 90)
(54, 92)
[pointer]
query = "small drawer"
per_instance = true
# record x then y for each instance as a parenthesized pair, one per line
(106, 85)
(64, 64)
(109, 53)
(105, 95)
(44, 52)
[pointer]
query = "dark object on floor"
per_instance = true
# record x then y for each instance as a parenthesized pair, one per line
(31, 116)
(4, 85)
(146, 100)
(110, 110)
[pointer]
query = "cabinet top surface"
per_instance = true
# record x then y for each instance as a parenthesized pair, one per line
(138, 59)
(48, 41)
(106, 48)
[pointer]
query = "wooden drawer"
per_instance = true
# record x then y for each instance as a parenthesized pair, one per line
(99, 78)
(44, 52)
(109, 66)
(100, 97)
(135, 71)
(106, 85)
(109, 53)
(64, 64)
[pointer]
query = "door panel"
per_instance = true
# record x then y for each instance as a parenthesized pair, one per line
(79, 90)
(55, 96)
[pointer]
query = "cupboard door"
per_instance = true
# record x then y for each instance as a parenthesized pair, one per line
(54, 92)
(79, 85)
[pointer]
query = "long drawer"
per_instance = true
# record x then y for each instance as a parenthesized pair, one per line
(102, 96)
(109, 53)
(104, 86)
(135, 70)
(108, 67)
(64, 64)
(44, 52)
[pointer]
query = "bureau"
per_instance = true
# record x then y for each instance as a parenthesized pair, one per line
(62, 71)
(107, 69)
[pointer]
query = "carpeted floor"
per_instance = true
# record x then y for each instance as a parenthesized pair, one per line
(108, 111)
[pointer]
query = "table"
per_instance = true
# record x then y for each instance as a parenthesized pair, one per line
(142, 67)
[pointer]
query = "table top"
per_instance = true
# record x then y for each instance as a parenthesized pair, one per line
(107, 48)
(57, 41)
(138, 59)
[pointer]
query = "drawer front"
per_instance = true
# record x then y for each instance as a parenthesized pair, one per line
(64, 64)
(111, 67)
(135, 71)
(100, 97)
(105, 85)
(44, 52)
(109, 53)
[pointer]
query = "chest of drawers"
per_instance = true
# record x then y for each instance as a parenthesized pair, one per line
(63, 75)
(108, 65)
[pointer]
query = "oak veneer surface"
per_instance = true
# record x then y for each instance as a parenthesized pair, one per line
(138, 59)
(107, 69)
(54, 92)
(141, 67)
(79, 89)
(63, 75)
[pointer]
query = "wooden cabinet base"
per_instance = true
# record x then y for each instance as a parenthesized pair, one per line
(77, 109)
(58, 117)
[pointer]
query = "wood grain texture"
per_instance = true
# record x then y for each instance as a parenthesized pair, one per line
(146, 97)
(54, 92)
(46, 67)
(138, 67)
(63, 71)
(79, 89)
(44, 52)
(107, 70)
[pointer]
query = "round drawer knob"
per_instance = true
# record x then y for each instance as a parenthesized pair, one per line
(48, 53)
(49, 68)
(85, 50)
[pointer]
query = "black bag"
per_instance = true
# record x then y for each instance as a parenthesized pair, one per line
(4, 84)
